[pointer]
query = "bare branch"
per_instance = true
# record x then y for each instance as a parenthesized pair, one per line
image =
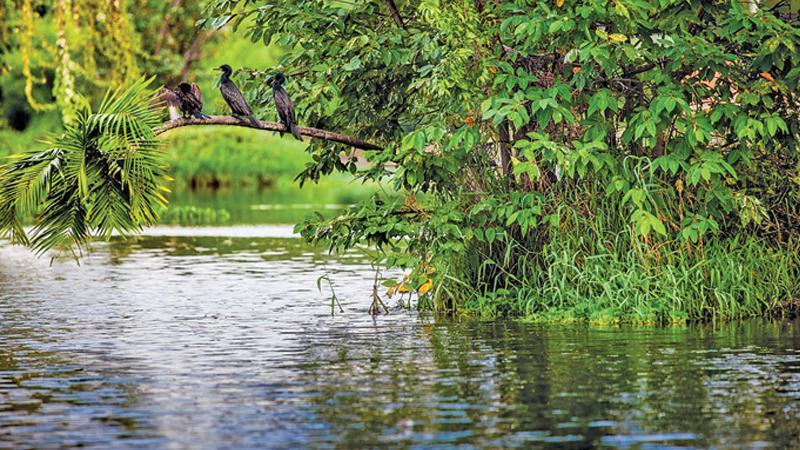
(398, 19)
(269, 126)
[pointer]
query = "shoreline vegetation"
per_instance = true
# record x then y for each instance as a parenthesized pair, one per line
(537, 166)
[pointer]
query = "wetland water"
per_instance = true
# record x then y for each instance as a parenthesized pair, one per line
(218, 338)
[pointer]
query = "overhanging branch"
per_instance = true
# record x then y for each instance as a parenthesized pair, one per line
(270, 126)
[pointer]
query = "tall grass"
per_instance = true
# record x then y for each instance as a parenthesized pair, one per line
(590, 268)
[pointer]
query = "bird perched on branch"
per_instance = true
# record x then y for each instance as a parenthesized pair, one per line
(191, 100)
(170, 98)
(284, 105)
(233, 96)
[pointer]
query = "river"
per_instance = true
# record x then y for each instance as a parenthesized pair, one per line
(219, 338)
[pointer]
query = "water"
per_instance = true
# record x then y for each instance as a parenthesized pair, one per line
(183, 339)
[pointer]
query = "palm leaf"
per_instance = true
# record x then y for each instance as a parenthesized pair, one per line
(104, 175)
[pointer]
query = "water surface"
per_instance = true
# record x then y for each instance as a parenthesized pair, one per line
(219, 338)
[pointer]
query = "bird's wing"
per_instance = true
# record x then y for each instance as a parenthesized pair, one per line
(196, 92)
(284, 105)
(188, 101)
(168, 96)
(197, 102)
(235, 99)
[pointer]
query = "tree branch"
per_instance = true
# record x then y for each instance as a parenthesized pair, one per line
(164, 29)
(192, 54)
(270, 126)
(398, 19)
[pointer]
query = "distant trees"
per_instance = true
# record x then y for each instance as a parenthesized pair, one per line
(63, 47)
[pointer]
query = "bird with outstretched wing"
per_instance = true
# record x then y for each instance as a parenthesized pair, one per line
(191, 100)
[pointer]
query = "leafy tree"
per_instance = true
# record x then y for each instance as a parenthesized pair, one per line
(514, 126)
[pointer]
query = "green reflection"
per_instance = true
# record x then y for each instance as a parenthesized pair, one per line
(506, 384)
(279, 202)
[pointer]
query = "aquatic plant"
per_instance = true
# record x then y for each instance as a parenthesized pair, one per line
(191, 215)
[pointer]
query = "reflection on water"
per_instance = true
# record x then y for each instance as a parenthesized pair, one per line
(283, 203)
(220, 342)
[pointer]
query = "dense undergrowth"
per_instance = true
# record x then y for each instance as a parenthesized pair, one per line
(585, 262)
(594, 272)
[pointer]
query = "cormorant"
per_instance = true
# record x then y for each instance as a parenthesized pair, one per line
(284, 105)
(191, 100)
(170, 98)
(233, 96)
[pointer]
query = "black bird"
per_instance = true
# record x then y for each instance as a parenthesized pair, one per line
(233, 96)
(284, 105)
(191, 100)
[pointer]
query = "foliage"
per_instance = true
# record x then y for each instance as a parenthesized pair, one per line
(65, 47)
(504, 120)
(216, 156)
(104, 175)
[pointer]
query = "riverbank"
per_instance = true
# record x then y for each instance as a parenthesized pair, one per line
(731, 280)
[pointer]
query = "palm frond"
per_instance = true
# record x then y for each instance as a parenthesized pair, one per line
(104, 175)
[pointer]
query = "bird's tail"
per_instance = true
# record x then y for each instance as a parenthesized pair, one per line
(201, 115)
(296, 132)
(253, 120)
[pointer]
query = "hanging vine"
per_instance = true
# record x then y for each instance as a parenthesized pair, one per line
(73, 46)
(67, 98)
(122, 54)
(27, 51)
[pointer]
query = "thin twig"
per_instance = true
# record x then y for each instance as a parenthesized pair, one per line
(377, 303)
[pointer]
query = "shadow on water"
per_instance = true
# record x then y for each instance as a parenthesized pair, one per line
(224, 341)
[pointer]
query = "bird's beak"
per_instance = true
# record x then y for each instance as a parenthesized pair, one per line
(218, 68)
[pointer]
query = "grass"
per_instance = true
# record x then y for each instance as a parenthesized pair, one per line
(733, 279)
(192, 216)
(589, 269)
